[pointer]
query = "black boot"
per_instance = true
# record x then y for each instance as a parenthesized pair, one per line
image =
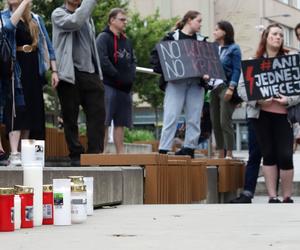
(163, 151)
(186, 151)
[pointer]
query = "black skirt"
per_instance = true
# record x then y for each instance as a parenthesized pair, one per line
(31, 116)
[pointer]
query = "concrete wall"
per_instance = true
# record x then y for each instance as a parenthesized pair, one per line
(112, 185)
(173, 8)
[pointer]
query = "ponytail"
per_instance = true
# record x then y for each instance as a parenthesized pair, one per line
(190, 15)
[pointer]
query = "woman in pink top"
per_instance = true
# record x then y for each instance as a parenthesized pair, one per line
(273, 130)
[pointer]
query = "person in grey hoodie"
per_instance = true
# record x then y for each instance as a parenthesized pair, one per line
(80, 75)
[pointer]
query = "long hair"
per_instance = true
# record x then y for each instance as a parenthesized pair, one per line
(31, 24)
(191, 14)
(229, 31)
(262, 47)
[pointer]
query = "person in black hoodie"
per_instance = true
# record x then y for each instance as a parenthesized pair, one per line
(118, 66)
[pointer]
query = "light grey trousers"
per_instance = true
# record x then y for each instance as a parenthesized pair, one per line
(184, 95)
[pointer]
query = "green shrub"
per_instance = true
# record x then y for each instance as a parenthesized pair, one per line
(133, 135)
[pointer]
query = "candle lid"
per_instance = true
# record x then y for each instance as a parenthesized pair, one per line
(78, 180)
(78, 188)
(23, 189)
(7, 191)
(48, 188)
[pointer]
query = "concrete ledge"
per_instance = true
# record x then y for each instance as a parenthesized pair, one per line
(212, 185)
(133, 185)
(130, 148)
(112, 185)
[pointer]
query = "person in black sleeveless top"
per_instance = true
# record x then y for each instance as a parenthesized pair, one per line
(33, 52)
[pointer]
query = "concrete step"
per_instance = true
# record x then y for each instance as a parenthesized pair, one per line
(112, 185)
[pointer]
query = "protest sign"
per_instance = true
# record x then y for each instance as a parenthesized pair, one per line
(189, 58)
(268, 77)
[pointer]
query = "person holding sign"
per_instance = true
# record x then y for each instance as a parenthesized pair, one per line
(221, 106)
(184, 94)
(273, 130)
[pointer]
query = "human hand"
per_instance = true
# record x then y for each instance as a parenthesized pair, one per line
(206, 77)
(281, 99)
(228, 94)
(54, 79)
(266, 102)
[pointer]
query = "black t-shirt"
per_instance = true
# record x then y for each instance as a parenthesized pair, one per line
(184, 36)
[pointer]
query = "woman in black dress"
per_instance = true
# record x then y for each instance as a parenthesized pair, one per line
(24, 110)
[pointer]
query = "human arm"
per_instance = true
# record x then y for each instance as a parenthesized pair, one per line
(54, 74)
(106, 65)
(69, 21)
(17, 14)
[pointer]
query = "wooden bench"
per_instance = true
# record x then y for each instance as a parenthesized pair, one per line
(168, 179)
(230, 174)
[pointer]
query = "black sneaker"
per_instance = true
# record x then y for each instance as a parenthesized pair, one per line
(274, 200)
(75, 161)
(163, 151)
(186, 151)
(288, 200)
(241, 199)
(3, 156)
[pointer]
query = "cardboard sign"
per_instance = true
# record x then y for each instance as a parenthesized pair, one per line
(189, 58)
(267, 77)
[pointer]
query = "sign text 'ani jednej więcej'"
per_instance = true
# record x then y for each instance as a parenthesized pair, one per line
(267, 77)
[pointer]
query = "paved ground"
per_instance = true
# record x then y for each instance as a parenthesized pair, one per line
(208, 227)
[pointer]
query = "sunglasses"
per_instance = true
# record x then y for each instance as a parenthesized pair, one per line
(122, 19)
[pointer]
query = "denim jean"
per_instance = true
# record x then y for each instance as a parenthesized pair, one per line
(254, 160)
(184, 95)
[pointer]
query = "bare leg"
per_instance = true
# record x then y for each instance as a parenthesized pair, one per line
(229, 153)
(1, 147)
(221, 153)
(119, 139)
(105, 140)
(14, 140)
(271, 174)
(286, 177)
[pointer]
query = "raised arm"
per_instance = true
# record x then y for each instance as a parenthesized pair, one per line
(69, 21)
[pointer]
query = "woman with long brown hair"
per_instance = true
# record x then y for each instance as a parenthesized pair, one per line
(273, 131)
(33, 54)
(186, 94)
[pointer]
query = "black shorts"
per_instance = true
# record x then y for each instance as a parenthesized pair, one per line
(118, 107)
(275, 138)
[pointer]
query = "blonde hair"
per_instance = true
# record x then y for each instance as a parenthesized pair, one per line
(32, 25)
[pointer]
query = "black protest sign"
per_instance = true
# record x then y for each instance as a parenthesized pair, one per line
(189, 58)
(268, 77)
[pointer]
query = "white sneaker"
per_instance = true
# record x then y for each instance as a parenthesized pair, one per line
(15, 159)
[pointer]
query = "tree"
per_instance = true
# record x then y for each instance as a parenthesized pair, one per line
(100, 14)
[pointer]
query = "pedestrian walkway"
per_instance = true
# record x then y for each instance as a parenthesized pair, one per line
(171, 227)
